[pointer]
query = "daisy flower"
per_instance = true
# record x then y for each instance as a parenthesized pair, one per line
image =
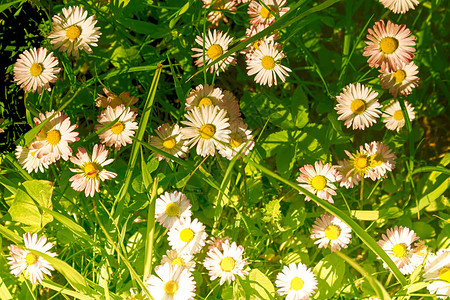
(296, 281)
(111, 99)
(358, 106)
(124, 127)
(203, 96)
(393, 115)
(170, 140)
(231, 105)
(381, 159)
(249, 32)
(35, 70)
(389, 45)
(226, 263)
(331, 231)
(399, 6)
(318, 179)
(398, 244)
(187, 236)
(347, 177)
(401, 81)
(261, 14)
(360, 162)
(28, 160)
(73, 31)
(207, 128)
(23, 261)
(53, 140)
(183, 260)
(217, 243)
(265, 63)
(215, 44)
(171, 283)
(240, 138)
(438, 270)
(170, 207)
(217, 8)
(91, 170)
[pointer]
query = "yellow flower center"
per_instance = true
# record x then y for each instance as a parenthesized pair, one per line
(186, 235)
(376, 160)
(268, 62)
(398, 115)
(214, 51)
(400, 250)
(31, 259)
(178, 261)
(207, 131)
(265, 13)
(332, 232)
(319, 182)
(235, 140)
(169, 143)
(73, 32)
(227, 264)
(388, 45)
(172, 209)
(444, 274)
(297, 283)
(91, 170)
(36, 69)
(170, 287)
(256, 44)
(204, 101)
(358, 106)
(399, 76)
(117, 128)
(361, 162)
(53, 137)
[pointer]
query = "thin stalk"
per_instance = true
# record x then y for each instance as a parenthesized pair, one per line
(361, 194)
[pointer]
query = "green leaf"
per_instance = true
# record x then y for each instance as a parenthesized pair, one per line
(424, 230)
(272, 212)
(76, 229)
(330, 272)
(8, 5)
(261, 284)
(30, 195)
(299, 106)
(416, 287)
(366, 215)
(153, 30)
(295, 216)
(285, 159)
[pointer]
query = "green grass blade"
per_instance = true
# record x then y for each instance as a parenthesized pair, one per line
(431, 169)
(10, 235)
(4, 292)
(376, 285)
(149, 237)
(140, 133)
(76, 229)
(75, 279)
(360, 232)
(63, 290)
